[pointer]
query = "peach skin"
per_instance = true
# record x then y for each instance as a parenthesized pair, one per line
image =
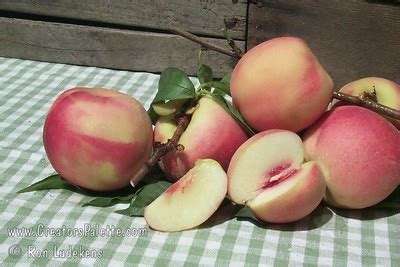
(359, 153)
(279, 84)
(211, 134)
(386, 92)
(97, 138)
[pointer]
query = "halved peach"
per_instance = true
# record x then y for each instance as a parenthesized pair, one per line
(267, 174)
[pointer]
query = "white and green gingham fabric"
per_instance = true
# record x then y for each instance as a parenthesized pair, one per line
(327, 237)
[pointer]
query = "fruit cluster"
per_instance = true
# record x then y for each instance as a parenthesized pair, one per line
(303, 151)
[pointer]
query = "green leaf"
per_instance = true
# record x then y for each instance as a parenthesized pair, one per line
(147, 194)
(222, 87)
(153, 115)
(148, 189)
(225, 84)
(113, 197)
(227, 79)
(204, 73)
(245, 213)
(54, 181)
(150, 192)
(234, 112)
(108, 201)
(174, 84)
(125, 195)
(132, 211)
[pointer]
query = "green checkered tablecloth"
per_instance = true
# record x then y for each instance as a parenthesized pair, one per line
(27, 88)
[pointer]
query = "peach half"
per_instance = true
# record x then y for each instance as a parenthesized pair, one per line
(191, 200)
(267, 174)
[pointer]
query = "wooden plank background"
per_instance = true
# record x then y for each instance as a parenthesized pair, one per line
(352, 39)
(104, 47)
(120, 34)
(203, 17)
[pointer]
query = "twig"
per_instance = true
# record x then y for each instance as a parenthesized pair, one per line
(239, 53)
(364, 101)
(161, 150)
(204, 44)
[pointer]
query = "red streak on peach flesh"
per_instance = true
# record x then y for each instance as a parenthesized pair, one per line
(173, 188)
(272, 183)
(180, 185)
(277, 170)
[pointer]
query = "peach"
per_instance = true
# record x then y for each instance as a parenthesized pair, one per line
(211, 134)
(387, 92)
(97, 138)
(191, 200)
(267, 174)
(168, 108)
(279, 84)
(359, 153)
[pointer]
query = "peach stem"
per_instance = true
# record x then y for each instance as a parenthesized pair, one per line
(365, 102)
(161, 150)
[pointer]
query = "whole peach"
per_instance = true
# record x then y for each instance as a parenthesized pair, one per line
(386, 92)
(211, 134)
(359, 153)
(279, 84)
(97, 138)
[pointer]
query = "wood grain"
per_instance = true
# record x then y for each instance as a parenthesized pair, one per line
(352, 39)
(104, 47)
(204, 17)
